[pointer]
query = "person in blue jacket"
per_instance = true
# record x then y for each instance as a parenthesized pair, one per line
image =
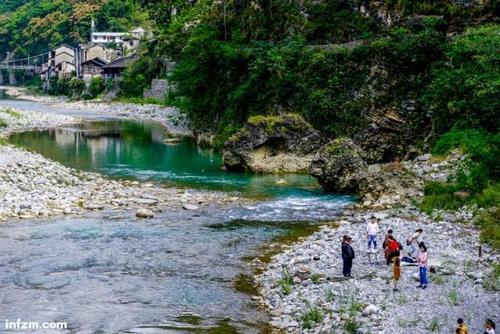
(347, 256)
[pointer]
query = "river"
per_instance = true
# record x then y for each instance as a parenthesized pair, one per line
(107, 272)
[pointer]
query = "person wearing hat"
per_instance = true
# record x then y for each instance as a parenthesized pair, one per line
(347, 256)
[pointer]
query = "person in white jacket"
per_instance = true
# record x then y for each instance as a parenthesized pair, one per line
(372, 232)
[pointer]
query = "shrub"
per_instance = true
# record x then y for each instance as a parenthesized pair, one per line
(489, 221)
(312, 317)
(97, 86)
(76, 87)
(479, 175)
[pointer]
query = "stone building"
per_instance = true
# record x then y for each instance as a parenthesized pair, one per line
(92, 68)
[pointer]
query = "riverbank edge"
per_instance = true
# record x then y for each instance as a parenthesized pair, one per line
(295, 268)
(171, 118)
(25, 199)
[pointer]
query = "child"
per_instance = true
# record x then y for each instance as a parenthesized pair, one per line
(462, 327)
(396, 269)
(422, 266)
(489, 325)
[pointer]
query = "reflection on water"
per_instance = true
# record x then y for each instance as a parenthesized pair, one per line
(136, 149)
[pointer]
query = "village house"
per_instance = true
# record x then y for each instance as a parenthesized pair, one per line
(126, 41)
(114, 69)
(61, 64)
(106, 55)
(92, 68)
(62, 61)
(91, 51)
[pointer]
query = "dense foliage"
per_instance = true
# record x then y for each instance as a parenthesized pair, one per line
(437, 68)
(29, 27)
(322, 59)
(466, 83)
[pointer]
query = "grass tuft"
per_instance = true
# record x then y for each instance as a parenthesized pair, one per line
(286, 282)
(312, 317)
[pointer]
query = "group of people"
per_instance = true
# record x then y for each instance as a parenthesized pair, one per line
(416, 253)
(392, 252)
(489, 326)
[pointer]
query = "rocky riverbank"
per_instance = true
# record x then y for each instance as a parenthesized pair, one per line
(33, 186)
(171, 118)
(305, 292)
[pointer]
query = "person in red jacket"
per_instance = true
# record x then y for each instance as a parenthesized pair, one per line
(391, 248)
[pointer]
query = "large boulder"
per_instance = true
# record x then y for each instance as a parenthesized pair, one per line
(272, 144)
(339, 166)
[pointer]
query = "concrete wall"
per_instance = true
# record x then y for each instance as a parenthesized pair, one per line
(159, 89)
(98, 51)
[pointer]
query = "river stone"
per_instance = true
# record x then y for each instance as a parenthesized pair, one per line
(146, 201)
(171, 141)
(272, 144)
(370, 309)
(93, 206)
(339, 166)
(424, 157)
(476, 275)
(144, 213)
(190, 207)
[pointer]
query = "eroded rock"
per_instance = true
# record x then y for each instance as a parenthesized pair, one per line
(339, 166)
(272, 144)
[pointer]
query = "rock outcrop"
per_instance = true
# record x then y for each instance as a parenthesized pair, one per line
(273, 144)
(339, 166)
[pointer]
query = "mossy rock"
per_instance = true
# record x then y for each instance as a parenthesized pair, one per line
(272, 144)
(339, 166)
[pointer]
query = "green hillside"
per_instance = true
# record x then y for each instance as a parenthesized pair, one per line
(33, 26)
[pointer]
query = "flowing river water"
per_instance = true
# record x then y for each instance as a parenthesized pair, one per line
(179, 272)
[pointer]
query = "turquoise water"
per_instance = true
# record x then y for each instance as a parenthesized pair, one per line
(176, 273)
(134, 149)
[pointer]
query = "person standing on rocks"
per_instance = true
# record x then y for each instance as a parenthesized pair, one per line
(386, 239)
(462, 327)
(489, 327)
(347, 256)
(413, 242)
(422, 266)
(396, 269)
(371, 233)
(391, 249)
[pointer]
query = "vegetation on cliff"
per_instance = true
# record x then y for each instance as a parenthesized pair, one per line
(396, 76)
(334, 62)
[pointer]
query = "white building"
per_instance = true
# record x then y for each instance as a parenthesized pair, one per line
(108, 37)
(131, 37)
